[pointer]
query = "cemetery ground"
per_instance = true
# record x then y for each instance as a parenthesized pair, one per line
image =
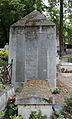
(65, 86)
(63, 83)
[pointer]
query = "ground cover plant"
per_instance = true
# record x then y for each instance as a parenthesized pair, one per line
(11, 110)
(56, 91)
(35, 115)
(68, 106)
(2, 116)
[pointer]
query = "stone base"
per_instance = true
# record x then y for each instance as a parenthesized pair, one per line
(25, 110)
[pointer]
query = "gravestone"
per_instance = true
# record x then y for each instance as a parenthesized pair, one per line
(32, 46)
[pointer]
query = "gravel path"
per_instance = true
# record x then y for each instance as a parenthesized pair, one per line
(67, 81)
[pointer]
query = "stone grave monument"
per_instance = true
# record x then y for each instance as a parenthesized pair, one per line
(32, 46)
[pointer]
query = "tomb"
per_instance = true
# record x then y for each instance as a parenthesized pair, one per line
(32, 46)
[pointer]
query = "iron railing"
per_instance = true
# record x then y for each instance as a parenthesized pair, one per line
(6, 73)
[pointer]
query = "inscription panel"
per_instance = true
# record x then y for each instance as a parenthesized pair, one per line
(31, 55)
(42, 57)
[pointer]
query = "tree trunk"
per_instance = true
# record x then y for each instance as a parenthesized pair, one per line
(61, 40)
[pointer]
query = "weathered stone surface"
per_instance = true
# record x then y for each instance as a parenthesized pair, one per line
(25, 110)
(33, 50)
(35, 96)
(35, 18)
(35, 92)
(32, 100)
(4, 95)
(12, 52)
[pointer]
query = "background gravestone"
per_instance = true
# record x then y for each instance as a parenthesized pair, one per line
(32, 46)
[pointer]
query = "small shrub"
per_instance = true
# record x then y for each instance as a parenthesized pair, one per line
(56, 91)
(4, 55)
(11, 108)
(2, 114)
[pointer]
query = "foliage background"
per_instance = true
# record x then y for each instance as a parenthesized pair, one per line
(13, 10)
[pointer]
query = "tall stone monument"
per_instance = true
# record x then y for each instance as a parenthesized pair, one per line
(32, 46)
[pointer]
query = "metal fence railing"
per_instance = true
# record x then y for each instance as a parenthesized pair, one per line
(6, 73)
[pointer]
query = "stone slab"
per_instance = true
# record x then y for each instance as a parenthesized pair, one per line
(25, 110)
